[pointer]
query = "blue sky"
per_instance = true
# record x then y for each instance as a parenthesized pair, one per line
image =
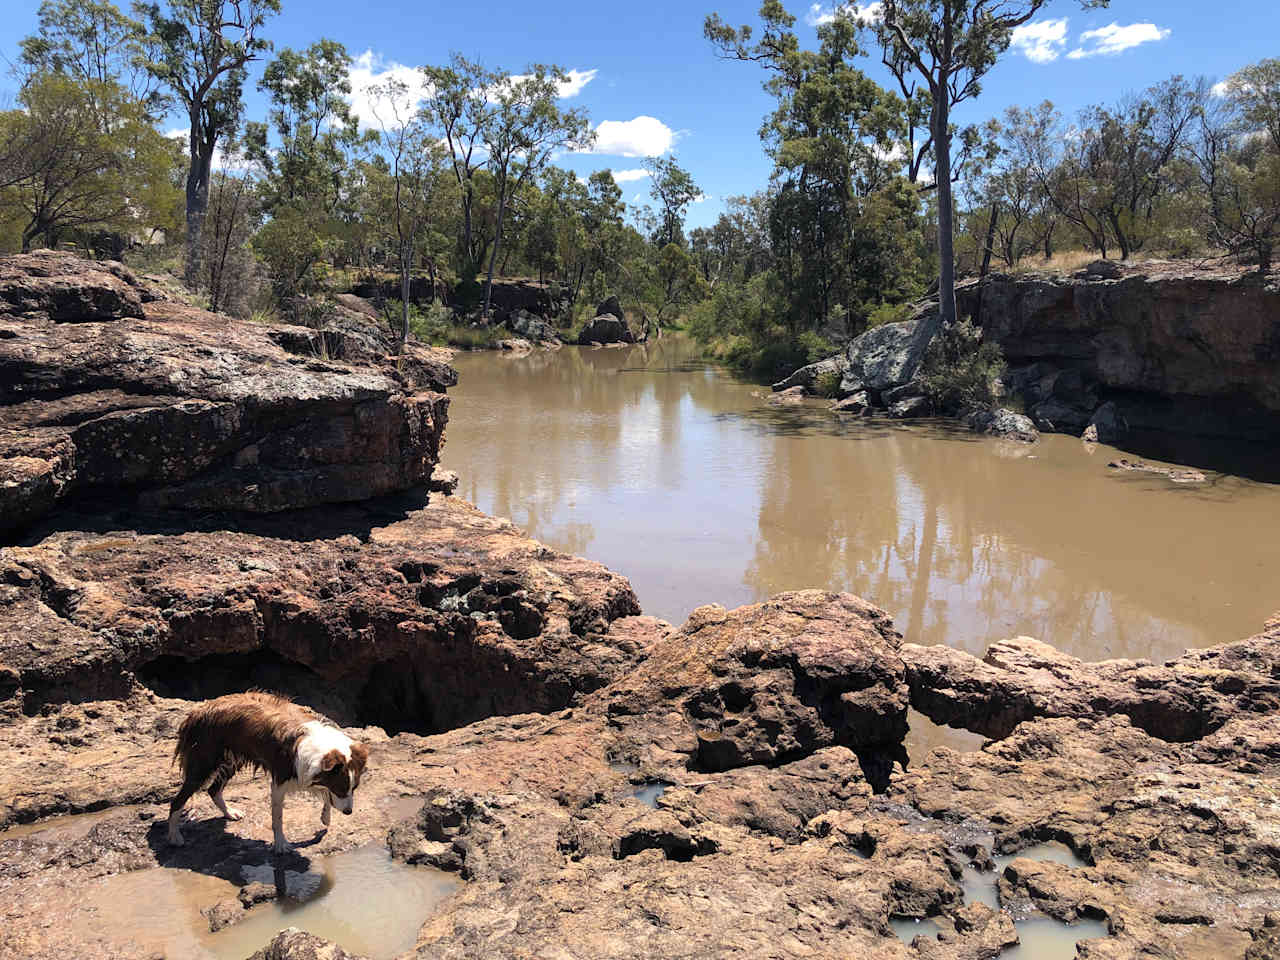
(650, 61)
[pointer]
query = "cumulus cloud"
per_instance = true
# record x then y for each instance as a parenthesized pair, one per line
(639, 137)
(821, 14)
(628, 176)
(1041, 41)
(1113, 39)
(369, 71)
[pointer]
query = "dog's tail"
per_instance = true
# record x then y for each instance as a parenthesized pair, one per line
(187, 735)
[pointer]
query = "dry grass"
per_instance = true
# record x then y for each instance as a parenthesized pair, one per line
(1069, 261)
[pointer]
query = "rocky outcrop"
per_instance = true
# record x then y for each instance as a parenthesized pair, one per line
(1174, 346)
(294, 944)
(436, 617)
(532, 327)
(808, 377)
(1002, 422)
(1020, 679)
(191, 409)
(882, 358)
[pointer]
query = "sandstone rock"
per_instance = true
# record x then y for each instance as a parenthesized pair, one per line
(60, 287)
(1002, 422)
(1103, 269)
(515, 346)
(858, 404)
(808, 376)
(612, 306)
(440, 616)
(294, 944)
(1176, 474)
(1197, 344)
(1021, 679)
(357, 305)
(792, 396)
(1055, 416)
(909, 408)
(196, 411)
(443, 481)
(1090, 434)
(766, 683)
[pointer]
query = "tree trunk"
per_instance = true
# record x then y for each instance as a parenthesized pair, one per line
(1048, 244)
(197, 203)
(405, 262)
(497, 242)
(991, 239)
(928, 325)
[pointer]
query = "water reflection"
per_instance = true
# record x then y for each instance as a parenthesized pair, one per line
(688, 482)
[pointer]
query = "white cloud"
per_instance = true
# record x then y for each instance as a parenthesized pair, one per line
(820, 14)
(703, 198)
(639, 137)
(1041, 41)
(1113, 39)
(577, 80)
(370, 70)
(1219, 89)
(628, 176)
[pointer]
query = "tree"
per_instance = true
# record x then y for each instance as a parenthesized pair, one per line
(202, 48)
(951, 45)
(93, 42)
(673, 187)
(88, 157)
(227, 264)
(458, 104)
(521, 133)
(678, 280)
(415, 172)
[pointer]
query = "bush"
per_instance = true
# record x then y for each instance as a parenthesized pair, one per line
(436, 324)
(960, 369)
(827, 384)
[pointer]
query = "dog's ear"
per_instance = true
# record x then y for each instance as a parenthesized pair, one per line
(331, 761)
(359, 757)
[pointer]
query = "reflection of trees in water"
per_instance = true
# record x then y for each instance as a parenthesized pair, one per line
(964, 546)
(964, 540)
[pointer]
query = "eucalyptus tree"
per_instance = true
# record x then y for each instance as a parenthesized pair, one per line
(410, 184)
(673, 188)
(522, 131)
(201, 49)
(950, 45)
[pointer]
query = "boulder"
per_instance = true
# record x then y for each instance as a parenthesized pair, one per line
(1002, 422)
(608, 328)
(1056, 416)
(882, 358)
(294, 944)
(858, 404)
(1107, 423)
(610, 305)
(808, 376)
(792, 396)
(909, 409)
(767, 683)
(62, 287)
(531, 327)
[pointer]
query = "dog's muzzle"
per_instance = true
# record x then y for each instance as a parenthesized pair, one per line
(344, 804)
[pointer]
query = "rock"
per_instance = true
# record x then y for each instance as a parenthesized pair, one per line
(1021, 679)
(224, 913)
(1107, 423)
(910, 408)
(294, 944)
(790, 397)
(443, 481)
(608, 328)
(213, 413)
(808, 376)
(358, 305)
(610, 305)
(533, 327)
(767, 682)
(1002, 422)
(858, 404)
(1176, 474)
(518, 345)
(1054, 416)
(1090, 434)
(1103, 270)
(906, 391)
(60, 287)
(882, 358)
(1186, 349)
(437, 617)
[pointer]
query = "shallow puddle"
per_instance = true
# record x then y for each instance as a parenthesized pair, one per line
(362, 899)
(1040, 938)
(647, 792)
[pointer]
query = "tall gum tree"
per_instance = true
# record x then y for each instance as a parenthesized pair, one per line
(201, 49)
(950, 45)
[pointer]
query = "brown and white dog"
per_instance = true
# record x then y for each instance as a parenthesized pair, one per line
(299, 750)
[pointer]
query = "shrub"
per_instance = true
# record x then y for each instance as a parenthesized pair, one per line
(827, 384)
(960, 369)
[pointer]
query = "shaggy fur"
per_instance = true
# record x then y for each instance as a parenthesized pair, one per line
(298, 749)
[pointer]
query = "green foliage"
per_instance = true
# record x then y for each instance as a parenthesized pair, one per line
(960, 369)
(827, 384)
(437, 325)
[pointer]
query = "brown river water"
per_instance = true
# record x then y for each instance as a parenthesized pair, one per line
(687, 481)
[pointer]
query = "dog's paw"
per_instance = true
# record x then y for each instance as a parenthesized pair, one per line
(235, 813)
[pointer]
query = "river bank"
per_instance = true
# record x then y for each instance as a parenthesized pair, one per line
(591, 781)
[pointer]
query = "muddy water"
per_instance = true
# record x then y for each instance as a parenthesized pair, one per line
(687, 481)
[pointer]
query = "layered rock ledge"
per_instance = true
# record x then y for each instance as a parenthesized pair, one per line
(107, 390)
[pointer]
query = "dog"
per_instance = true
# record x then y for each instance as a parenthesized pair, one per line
(297, 748)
